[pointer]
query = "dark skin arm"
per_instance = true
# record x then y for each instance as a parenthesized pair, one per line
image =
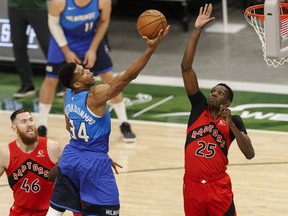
(100, 94)
(53, 173)
(188, 73)
(242, 139)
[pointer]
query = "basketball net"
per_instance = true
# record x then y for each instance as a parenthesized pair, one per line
(255, 17)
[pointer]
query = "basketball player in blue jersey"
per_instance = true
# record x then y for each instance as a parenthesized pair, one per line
(78, 28)
(85, 181)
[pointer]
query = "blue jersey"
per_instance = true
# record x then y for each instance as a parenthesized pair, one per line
(87, 131)
(79, 25)
(85, 161)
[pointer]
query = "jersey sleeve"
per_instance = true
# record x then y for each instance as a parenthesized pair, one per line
(199, 103)
(239, 124)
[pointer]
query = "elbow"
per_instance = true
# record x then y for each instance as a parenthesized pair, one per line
(134, 76)
(185, 68)
(184, 65)
(250, 155)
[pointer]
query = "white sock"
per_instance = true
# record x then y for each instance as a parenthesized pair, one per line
(44, 110)
(120, 111)
(53, 212)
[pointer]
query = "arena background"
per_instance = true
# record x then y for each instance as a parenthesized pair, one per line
(235, 58)
(158, 96)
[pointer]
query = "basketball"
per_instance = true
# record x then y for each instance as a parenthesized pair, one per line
(150, 22)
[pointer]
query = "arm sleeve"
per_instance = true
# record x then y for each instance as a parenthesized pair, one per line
(56, 30)
(199, 104)
(239, 124)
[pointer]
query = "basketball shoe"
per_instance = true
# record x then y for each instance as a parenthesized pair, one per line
(128, 135)
(42, 131)
(25, 91)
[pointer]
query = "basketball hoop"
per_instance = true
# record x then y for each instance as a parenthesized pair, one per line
(256, 18)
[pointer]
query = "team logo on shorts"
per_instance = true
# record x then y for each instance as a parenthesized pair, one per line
(49, 68)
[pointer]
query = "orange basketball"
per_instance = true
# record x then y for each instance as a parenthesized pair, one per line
(150, 22)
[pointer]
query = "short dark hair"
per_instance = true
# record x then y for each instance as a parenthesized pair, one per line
(231, 94)
(15, 113)
(66, 74)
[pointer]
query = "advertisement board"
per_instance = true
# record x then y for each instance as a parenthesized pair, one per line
(6, 46)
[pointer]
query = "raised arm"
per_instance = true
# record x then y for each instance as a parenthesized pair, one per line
(188, 73)
(102, 93)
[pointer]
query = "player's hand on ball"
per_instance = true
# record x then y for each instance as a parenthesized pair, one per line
(150, 22)
(161, 35)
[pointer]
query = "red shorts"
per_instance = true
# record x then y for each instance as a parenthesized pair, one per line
(16, 211)
(204, 197)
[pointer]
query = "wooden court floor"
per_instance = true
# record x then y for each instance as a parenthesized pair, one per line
(150, 182)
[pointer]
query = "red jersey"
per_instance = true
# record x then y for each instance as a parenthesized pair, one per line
(28, 177)
(207, 141)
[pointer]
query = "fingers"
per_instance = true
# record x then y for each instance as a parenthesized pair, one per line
(224, 110)
(167, 30)
(77, 60)
(201, 11)
(90, 63)
(115, 169)
(163, 32)
(115, 165)
(118, 165)
(160, 32)
(207, 10)
(84, 63)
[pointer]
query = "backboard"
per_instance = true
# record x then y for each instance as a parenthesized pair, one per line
(270, 21)
(276, 29)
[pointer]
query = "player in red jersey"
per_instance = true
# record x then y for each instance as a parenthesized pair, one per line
(27, 161)
(211, 129)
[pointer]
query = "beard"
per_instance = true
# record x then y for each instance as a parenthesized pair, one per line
(213, 104)
(28, 139)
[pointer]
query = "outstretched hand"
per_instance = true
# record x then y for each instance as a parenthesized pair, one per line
(156, 41)
(204, 16)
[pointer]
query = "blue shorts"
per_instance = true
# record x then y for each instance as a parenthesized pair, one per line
(66, 197)
(65, 194)
(91, 176)
(103, 62)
